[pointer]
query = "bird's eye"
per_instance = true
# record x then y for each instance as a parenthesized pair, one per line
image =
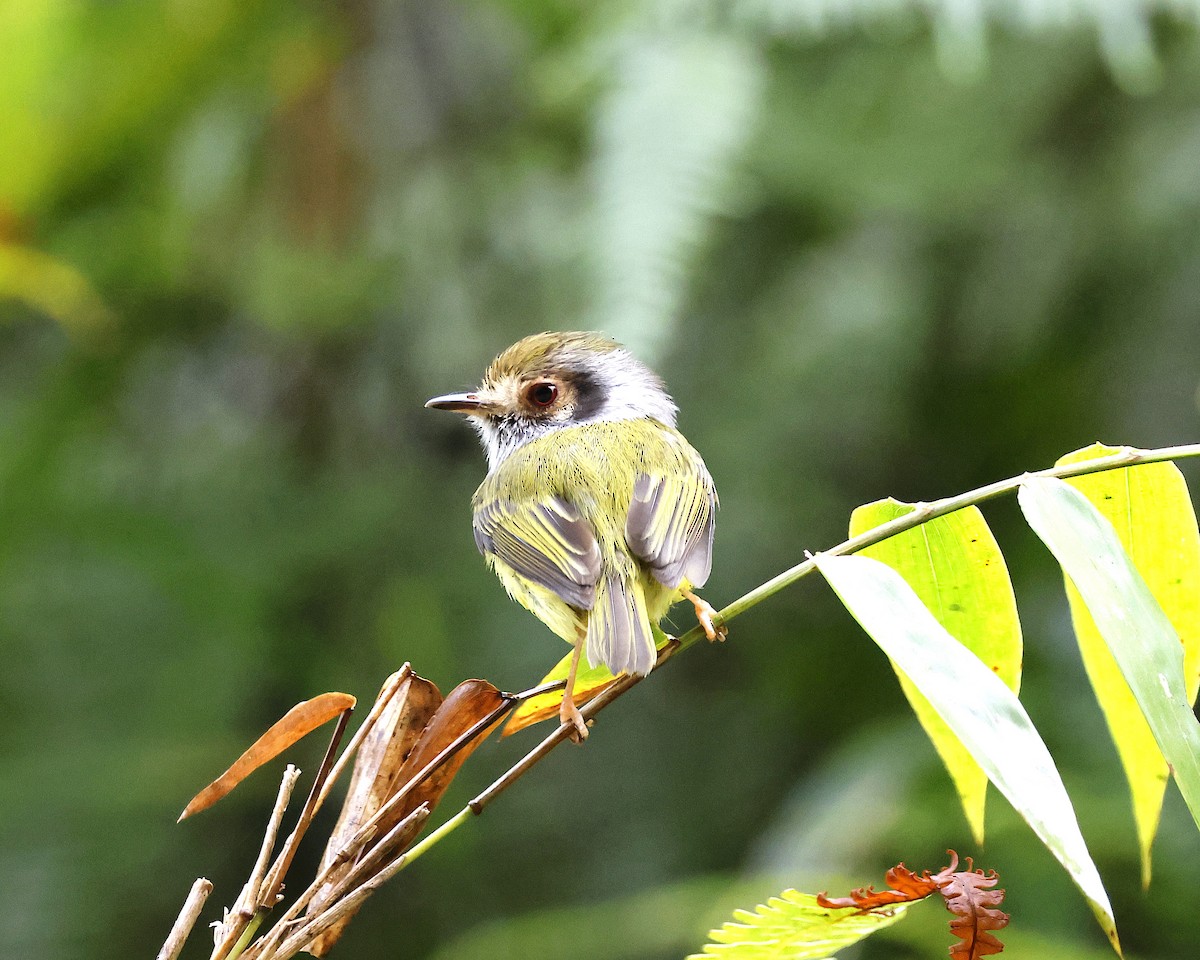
(542, 394)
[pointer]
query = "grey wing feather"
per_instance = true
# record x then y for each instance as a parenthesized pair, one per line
(670, 526)
(547, 542)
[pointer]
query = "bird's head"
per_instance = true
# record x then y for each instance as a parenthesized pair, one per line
(553, 380)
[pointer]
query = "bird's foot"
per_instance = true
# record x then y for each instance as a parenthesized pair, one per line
(569, 714)
(705, 613)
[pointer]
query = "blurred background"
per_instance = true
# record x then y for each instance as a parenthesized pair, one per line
(876, 247)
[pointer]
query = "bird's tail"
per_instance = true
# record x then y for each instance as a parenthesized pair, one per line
(619, 634)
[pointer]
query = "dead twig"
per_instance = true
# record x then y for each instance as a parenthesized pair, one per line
(271, 940)
(280, 868)
(186, 920)
(247, 904)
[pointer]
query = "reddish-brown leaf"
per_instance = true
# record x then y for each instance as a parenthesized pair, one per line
(970, 896)
(468, 704)
(905, 885)
(296, 724)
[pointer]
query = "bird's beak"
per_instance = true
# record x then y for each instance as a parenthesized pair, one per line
(472, 404)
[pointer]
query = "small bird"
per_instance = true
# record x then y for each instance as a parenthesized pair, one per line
(596, 514)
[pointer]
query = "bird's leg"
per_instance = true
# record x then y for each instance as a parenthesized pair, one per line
(568, 713)
(705, 614)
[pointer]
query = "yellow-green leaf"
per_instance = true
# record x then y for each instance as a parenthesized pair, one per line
(954, 565)
(793, 926)
(981, 710)
(589, 683)
(53, 287)
(1149, 507)
(1129, 547)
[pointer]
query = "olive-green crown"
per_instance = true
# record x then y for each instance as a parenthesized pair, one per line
(547, 351)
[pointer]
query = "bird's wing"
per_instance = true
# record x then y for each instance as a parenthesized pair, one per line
(546, 541)
(670, 524)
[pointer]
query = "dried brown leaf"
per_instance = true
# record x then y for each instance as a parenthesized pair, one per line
(467, 705)
(375, 779)
(970, 896)
(905, 885)
(296, 724)
(381, 756)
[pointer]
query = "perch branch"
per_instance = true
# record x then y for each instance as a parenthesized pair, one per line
(1126, 457)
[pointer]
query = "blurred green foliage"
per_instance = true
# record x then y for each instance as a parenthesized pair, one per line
(875, 247)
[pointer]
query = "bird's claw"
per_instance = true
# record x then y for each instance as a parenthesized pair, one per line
(569, 715)
(704, 614)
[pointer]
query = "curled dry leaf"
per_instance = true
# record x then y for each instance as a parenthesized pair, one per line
(411, 733)
(296, 724)
(380, 757)
(905, 885)
(468, 705)
(968, 894)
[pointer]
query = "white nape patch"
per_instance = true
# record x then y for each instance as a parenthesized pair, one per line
(631, 390)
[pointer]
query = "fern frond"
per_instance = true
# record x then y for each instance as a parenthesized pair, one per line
(793, 926)
(669, 132)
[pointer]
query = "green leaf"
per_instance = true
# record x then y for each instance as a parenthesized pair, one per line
(793, 927)
(976, 704)
(1151, 512)
(1137, 631)
(954, 565)
(53, 287)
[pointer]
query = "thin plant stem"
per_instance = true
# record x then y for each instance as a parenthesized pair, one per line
(1126, 457)
(248, 934)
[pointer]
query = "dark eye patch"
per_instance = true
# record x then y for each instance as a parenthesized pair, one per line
(588, 394)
